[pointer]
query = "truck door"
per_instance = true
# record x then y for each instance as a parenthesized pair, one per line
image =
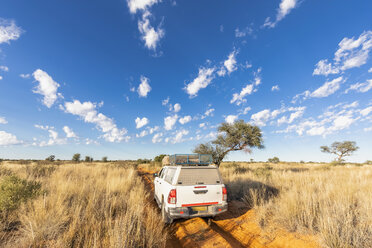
(156, 184)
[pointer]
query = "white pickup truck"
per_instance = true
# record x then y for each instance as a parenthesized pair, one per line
(189, 189)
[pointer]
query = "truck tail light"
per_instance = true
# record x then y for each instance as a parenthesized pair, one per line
(224, 194)
(172, 197)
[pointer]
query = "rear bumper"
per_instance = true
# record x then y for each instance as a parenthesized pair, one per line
(189, 212)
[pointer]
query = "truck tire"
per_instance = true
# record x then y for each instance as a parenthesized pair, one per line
(164, 215)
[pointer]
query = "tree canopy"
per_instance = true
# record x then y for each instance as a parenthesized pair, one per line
(232, 137)
(341, 149)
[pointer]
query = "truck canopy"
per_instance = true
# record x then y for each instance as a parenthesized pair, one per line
(190, 159)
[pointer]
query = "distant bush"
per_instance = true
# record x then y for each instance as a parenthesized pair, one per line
(273, 160)
(14, 191)
(302, 162)
(104, 159)
(159, 158)
(51, 158)
(143, 161)
(76, 157)
(263, 172)
(368, 162)
(241, 170)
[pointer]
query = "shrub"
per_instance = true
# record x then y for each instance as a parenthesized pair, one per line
(263, 172)
(14, 191)
(76, 157)
(159, 158)
(104, 159)
(51, 158)
(368, 162)
(273, 160)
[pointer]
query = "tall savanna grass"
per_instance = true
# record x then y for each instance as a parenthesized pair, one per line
(331, 202)
(84, 205)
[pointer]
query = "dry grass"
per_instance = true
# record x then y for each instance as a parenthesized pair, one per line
(332, 202)
(83, 205)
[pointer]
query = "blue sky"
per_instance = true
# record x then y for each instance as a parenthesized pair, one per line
(133, 79)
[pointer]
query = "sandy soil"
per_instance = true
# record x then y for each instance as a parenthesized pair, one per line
(235, 228)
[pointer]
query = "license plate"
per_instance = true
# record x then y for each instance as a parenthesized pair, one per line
(199, 209)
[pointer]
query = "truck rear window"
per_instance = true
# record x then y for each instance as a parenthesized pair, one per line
(195, 176)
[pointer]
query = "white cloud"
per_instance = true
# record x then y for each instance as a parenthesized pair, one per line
(260, 118)
(142, 134)
(87, 111)
(202, 125)
(185, 119)
(361, 87)
(170, 121)
(351, 53)
(144, 88)
(141, 122)
(69, 132)
(370, 70)
(342, 122)
(7, 139)
(325, 68)
(244, 32)
(231, 119)
(53, 137)
(245, 110)
(328, 88)
(3, 120)
(4, 68)
(207, 113)
(179, 136)
(150, 35)
(135, 5)
(230, 63)
(366, 111)
(1, 77)
(153, 129)
(9, 31)
(165, 102)
(284, 9)
(157, 138)
(239, 98)
(316, 131)
(297, 113)
(177, 107)
(204, 78)
(25, 75)
(275, 88)
(47, 87)
(367, 129)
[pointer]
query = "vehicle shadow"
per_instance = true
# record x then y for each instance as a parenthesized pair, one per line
(244, 194)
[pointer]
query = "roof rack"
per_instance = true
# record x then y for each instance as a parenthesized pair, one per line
(191, 159)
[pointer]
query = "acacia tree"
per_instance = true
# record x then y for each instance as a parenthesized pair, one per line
(233, 137)
(341, 149)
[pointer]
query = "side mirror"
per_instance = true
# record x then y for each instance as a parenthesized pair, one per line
(155, 174)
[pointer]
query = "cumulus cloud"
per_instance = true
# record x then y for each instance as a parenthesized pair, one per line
(204, 78)
(141, 122)
(208, 112)
(366, 111)
(135, 5)
(239, 33)
(157, 138)
(351, 52)
(285, 7)
(7, 139)
(25, 75)
(9, 31)
(47, 87)
(260, 118)
(328, 88)
(69, 132)
(142, 134)
(88, 112)
(144, 88)
(185, 119)
(53, 137)
(361, 87)
(3, 120)
(231, 119)
(230, 62)
(275, 88)
(170, 121)
(239, 98)
(177, 107)
(150, 35)
(179, 136)
(4, 68)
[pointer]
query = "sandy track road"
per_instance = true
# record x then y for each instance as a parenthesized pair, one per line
(235, 228)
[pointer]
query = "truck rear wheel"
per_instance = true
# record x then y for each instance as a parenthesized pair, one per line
(164, 215)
